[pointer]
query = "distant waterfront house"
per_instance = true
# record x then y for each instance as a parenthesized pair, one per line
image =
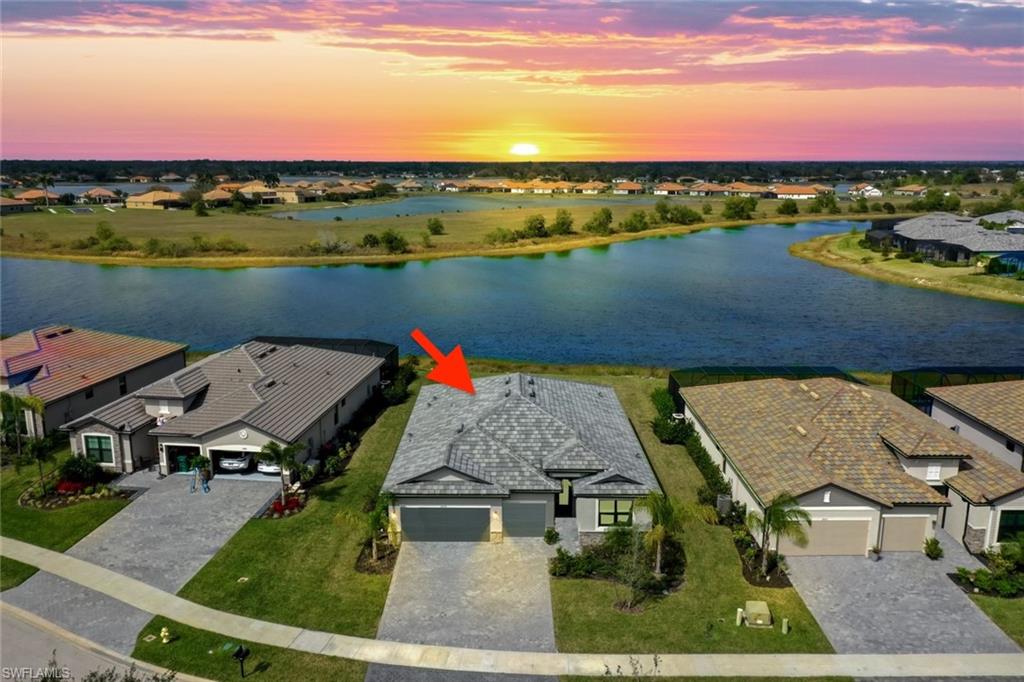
(958, 239)
(409, 185)
(745, 189)
(155, 200)
(863, 189)
(140, 179)
(229, 405)
(792, 192)
(508, 461)
(870, 469)
(627, 187)
(171, 177)
(706, 189)
(100, 195)
(8, 206)
(74, 370)
(911, 191)
(592, 187)
(990, 415)
(217, 197)
(669, 188)
(37, 196)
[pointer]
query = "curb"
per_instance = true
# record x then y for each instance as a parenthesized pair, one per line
(112, 656)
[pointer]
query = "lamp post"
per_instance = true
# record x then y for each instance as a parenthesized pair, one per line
(241, 653)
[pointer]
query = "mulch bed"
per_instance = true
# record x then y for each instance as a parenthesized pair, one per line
(294, 505)
(752, 572)
(60, 501)
(387, 555)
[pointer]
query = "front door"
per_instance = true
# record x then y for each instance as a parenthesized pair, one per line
(565, 503)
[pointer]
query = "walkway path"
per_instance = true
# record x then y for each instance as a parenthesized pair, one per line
(156, 601)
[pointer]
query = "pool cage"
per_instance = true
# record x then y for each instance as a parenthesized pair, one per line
(705, 376)
(911, 384)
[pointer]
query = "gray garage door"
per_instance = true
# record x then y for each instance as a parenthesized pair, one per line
(446, 524)
(524, 519)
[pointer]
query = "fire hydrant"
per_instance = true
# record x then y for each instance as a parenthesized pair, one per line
(165, 635)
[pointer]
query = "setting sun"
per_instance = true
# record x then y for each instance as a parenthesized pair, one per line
(524, 149)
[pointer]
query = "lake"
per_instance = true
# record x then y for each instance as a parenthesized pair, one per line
(453, 202)
(714, 297)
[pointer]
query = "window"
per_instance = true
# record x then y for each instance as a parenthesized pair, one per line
(99, 449)
(828, 497)
(934, 472)
(1011, 522)
(88, 393)
(614, 512)
(122, 384)
(335, 415)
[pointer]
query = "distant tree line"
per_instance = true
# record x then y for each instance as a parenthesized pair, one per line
(721, 171)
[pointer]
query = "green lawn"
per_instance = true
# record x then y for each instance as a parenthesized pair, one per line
(301, 569)
(207, 654)
(700, 617)
(56, 529)
(1006, 613)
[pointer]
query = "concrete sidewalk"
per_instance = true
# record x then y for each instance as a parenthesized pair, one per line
(158, 602)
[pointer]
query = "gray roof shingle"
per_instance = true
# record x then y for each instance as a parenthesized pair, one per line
(966, 232)
(511, 432)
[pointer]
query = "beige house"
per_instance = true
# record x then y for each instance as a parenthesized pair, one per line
(871, 470)
(155, 200)
(669, 188)
(74, 371)
(217, 197)
(37, 196)
(8, 206)
(100, 195)
(592, 187)
(627, 187)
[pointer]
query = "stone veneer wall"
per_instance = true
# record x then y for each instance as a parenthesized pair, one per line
(974, 540)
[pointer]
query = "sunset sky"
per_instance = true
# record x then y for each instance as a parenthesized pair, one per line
(454, 79)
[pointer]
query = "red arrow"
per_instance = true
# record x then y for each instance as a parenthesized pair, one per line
(450, 369)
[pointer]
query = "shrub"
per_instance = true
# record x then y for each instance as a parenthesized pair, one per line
(562, 223)
(672, 431)
(599, 223)
(534, 227)
(551, 536)
(435, 226)
(334, 465)
(80, 470)
(663, 403)
(932, 549)
(393, 242)
(916, 258)
(739, 208)
(635, 222)
(788, 207)
(716, 483)
(370, 241)
(500, 236)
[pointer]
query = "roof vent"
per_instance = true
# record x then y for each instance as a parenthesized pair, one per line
(508, 392)
(600, 394)
(271, 383)
(801, 430)
(66, 331)
(533, 394)
(803, 387)
(530, 381)
(52, 335)
(815, 395)
(865, 394)
(508, 380)
(462, 427)
(409, 435)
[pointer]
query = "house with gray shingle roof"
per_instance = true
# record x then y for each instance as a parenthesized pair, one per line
(508, 460)
(870, 469)
(229, 405)
(958, 239)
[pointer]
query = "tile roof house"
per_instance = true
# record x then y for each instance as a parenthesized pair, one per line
(230, 403)
(591, 187)
(871, 469)
(627, 187)
(155, 200)
(990, 415)
(509, 459)
(666, 188)
(8, 206)
(37, 196)
(74, 370)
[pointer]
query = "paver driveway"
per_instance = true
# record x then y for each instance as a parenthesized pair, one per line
(162, 538)
(904, 603)
(478, 595)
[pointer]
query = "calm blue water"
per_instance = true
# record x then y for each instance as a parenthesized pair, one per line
(453, 202)
(715, 297)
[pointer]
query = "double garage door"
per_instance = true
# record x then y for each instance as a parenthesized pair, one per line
(471, 524)
(831, 537)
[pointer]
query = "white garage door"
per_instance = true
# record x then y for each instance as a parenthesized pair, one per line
(831, 537)
(903, 533)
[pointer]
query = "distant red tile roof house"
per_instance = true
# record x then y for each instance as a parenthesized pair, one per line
(36, 194)
(99, 192)
(4, 201)
(632, 186)
(70, 359)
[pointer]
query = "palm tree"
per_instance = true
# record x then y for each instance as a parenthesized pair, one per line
(783, 517)
(375, 522)
(666, 518)
(46, 180)
(284, 457)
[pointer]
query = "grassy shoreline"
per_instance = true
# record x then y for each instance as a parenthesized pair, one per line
(533, 247)
(843, 251)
